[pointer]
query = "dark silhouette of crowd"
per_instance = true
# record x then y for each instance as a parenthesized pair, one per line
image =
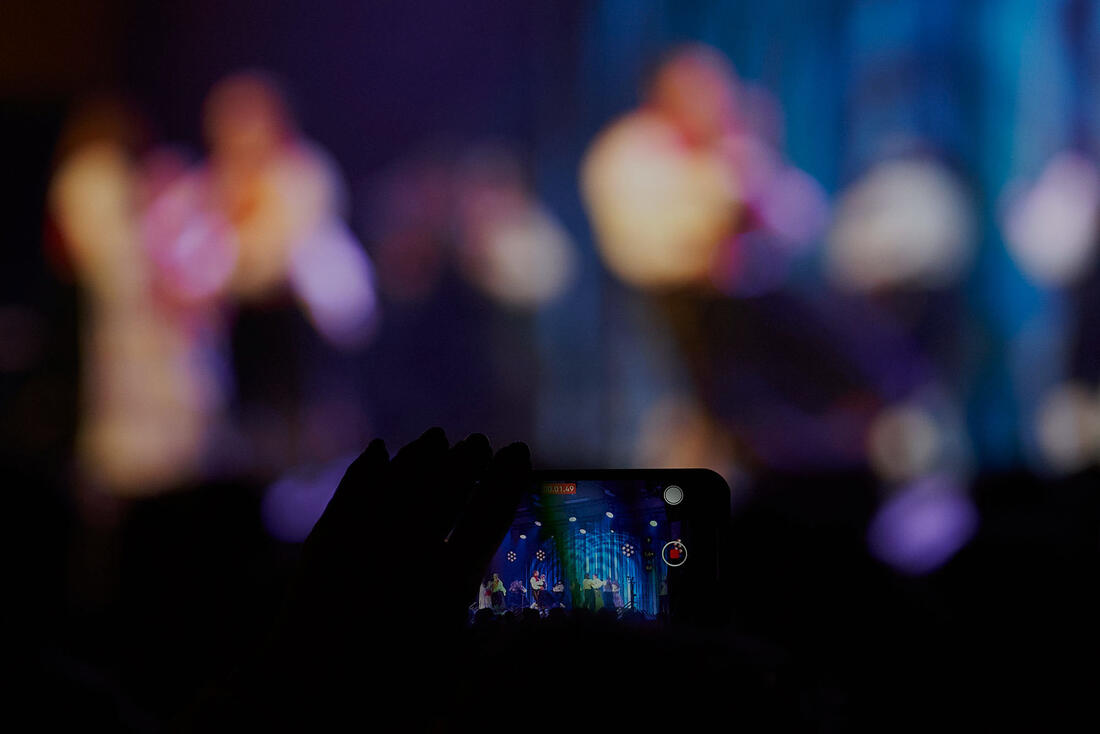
(183, 618)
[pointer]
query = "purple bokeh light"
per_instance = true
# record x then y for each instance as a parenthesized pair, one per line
(923, 525)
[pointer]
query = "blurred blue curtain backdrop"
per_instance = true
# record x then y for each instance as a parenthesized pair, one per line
(993, 88)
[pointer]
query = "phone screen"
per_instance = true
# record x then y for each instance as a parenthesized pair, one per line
(618, 541)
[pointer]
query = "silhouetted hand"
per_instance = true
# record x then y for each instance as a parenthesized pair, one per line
(378, 609)
(410, 537)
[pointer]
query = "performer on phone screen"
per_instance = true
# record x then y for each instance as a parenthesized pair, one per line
(559, 593)
(589, 592)
(484, 594)
(590, 586)
(517, 593)
(608, 597)
(612, 589)
(496, 588)
(537, 585)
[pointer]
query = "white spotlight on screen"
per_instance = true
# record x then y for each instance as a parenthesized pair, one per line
(653, 523)
(609, 514)
(573, 519)
(583, 531)
(538, 523)
(522, 536)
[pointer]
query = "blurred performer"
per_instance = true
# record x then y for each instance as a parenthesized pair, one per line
(666, 191)
(693, 206)
(464, 246)
(538, 584)
(268, 202)
(657, 184)
(671, 185)
(509, 245)
(267, 184)
(149, 345)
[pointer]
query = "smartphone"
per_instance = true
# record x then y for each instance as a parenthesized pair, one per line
(644, 544)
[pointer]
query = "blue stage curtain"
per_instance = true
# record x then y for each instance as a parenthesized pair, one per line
(569, 554)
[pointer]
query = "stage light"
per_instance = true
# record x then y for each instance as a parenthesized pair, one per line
(583, 531)
(538, 523)
(573, 519)
(609, 514)
(653, 523)
(523, 536)
(540, 554)
(511, 556)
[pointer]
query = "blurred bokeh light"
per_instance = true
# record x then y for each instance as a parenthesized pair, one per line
(923, 525)
(1051, 229)
(905, 223)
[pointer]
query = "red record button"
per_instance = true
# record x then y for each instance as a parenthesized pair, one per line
(674, 553)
